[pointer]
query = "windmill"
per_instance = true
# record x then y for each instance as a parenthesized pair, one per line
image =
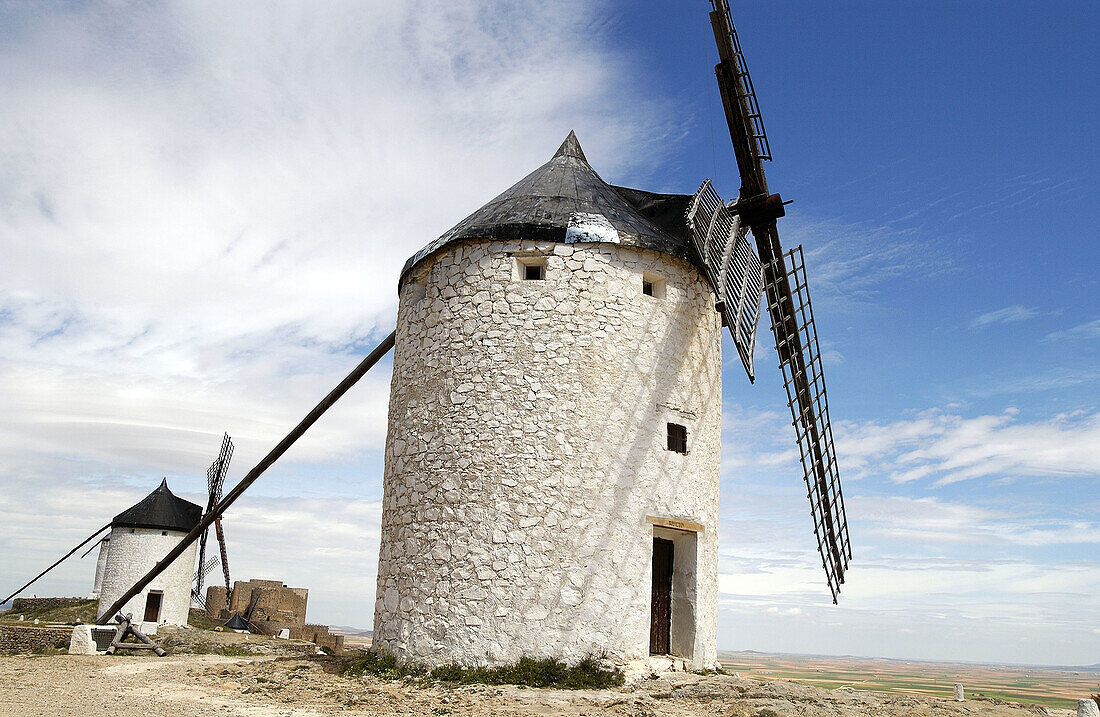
(567, 203)
(740, 275)
(215, 482)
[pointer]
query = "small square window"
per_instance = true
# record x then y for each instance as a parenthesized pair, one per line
(677, 438)
(530, 267)
(653, 285)
(416, 289)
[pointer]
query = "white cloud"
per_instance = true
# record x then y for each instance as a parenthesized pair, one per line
(1007, 315)
(937, 444)
(1087, 330)
(849, 264)
(953, 448)
(206, 205)
(929, 521)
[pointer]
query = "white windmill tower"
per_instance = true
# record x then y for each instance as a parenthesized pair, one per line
(551, 478)
(140, 536)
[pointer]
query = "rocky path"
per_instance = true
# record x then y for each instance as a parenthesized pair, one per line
(202, 685)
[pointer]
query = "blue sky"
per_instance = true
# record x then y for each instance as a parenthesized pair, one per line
(203, 211)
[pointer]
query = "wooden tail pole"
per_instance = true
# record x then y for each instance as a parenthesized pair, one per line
(59, 561)
(157, 649)
(126, 627)
(326, 403)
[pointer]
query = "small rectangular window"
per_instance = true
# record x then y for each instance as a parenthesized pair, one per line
(416, 290)
(653, 285)
(530, 267)
(677, 438)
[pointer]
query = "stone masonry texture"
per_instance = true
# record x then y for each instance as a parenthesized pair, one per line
(15, 639)
(527, 445)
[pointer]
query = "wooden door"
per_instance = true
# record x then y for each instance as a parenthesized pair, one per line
(152, 607)
(660, 625)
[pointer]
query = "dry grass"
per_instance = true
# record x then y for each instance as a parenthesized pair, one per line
(77, 613)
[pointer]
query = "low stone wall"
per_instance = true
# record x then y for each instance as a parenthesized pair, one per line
(321, 637)
(317, 634)
(270, 627)
(33, 604)
(15, 639)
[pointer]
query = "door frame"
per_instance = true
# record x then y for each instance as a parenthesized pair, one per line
(160, 605)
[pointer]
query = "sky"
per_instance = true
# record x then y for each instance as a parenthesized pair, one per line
(204, 208)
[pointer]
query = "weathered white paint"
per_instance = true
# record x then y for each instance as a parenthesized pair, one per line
(133, 552)
(527, 445)
(83, 642)
(587, 227)
(100, 567)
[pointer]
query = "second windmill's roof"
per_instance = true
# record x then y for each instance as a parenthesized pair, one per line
(565, 200)
(160, 510)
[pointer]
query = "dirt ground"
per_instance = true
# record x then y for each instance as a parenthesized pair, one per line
(266, 686)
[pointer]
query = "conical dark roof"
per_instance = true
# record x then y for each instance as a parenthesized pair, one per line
(236, 622)
(161, 510)
(565, 200)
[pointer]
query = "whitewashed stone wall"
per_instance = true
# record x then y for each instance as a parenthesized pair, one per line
(100, 567)
(132, 553)
(527, 445)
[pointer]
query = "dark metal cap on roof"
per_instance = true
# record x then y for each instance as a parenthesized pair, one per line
(565, 200)
(160, 510)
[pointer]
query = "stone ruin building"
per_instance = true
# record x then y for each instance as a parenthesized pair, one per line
(139, 537)
(551, 465)
(270, 607)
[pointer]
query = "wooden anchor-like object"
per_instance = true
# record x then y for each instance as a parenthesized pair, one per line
(125, 627)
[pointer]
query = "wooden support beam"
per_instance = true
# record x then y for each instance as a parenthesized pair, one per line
(126, 627)
(149, 644)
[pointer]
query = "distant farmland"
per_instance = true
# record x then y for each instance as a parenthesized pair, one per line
(1049, 686)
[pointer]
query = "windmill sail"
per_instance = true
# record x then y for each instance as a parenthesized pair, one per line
(215, 482)
(732, 267)
(788, 301)
(800, 359)
(203, 570)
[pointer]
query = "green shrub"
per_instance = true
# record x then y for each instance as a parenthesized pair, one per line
(588, 674)
(379, 663)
